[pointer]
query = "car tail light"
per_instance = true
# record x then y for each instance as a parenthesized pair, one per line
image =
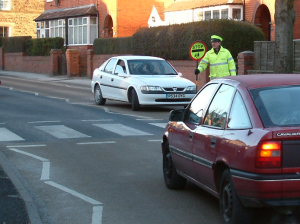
(269, 154)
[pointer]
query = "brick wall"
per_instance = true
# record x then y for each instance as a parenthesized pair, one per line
(20, 17)
(297, 19)
(33, 64)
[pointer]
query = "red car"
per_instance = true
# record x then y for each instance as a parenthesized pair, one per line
(239, 139)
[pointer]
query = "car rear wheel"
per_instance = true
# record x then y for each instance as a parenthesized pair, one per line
(99, 100)
(172, 179)
(135, 104)
(232, 210)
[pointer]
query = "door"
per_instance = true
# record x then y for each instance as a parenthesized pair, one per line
(209, 136)
(181, 137)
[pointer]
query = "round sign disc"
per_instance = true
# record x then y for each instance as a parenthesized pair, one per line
(197, 50)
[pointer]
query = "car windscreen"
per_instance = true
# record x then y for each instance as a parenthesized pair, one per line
(150, 67)
(278, 106)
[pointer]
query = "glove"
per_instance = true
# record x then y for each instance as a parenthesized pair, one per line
(197, 71)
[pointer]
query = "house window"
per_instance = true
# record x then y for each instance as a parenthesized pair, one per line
(224, 14)
(207, 15)
(82, 30)
(236, 14)
(53, 28)
(199, 16)
(216, 14)
(4, 4)
(4, 31)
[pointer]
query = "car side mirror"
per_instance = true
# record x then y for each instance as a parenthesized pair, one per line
(179, 74)
(176, 115)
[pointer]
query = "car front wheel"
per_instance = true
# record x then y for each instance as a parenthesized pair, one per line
(135, 104)
(232, 210)
(172, 179)
(99, 100)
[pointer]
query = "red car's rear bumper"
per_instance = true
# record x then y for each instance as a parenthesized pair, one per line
(257, 190)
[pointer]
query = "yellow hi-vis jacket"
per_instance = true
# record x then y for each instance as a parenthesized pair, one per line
(221, 64)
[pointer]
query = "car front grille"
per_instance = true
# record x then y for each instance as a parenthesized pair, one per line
(174, 89)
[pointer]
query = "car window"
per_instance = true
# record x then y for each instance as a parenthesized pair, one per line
(238, 117)
(122, 64)
(218, 109)
(199, 104)
(150, 67)
(110, 66)
(278, 106)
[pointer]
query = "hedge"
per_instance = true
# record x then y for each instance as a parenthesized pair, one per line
(43, 46)
(173, 42)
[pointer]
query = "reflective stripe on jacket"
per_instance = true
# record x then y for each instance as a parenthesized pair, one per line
(221, 64)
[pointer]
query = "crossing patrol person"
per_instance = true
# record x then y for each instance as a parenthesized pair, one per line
(220, 60)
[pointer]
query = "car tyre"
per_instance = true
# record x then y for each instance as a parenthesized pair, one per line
(232, 210)
(99, 100)
(135, 104)
(172, 179)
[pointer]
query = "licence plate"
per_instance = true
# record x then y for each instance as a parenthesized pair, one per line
(175, 96)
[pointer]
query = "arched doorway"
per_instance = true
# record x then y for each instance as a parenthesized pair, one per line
(108, 27)
(263, 19)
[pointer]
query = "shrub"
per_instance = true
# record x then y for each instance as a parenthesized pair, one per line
(15, 44)
(173, 42)
(43, 46)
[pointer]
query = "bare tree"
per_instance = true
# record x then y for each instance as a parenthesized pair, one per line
(284, 21)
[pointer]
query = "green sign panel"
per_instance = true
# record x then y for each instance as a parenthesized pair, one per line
(197, 50)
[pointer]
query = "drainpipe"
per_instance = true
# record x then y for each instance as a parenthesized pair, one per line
(244, 10)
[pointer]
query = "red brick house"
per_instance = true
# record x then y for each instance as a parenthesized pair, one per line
(260, 13)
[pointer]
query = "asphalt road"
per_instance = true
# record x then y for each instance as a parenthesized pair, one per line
(83, 163)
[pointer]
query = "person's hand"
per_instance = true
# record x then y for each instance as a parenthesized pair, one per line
(197, 71)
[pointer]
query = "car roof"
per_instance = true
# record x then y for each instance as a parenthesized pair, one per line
(255, 81)
(136, 57)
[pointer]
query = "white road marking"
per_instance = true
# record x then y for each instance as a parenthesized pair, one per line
(122, 129)
(74, 193)
(7, 135)
(98, 120)
(45, 171)
(97, 215)
(36, 122)
(149, 119)
(161, 125)
(23, 146)
(46, 164)
(131, 115)
(62, 132)
(94, 143)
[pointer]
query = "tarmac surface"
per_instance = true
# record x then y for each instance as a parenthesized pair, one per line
(16, 202)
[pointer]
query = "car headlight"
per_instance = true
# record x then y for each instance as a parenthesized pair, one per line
(191, 88)
(151, 88)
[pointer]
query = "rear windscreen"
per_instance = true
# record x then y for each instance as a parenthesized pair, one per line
(279, 106)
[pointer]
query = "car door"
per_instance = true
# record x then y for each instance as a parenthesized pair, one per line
(119, 83)
(107, 88)
(181, 136)
(209, 135)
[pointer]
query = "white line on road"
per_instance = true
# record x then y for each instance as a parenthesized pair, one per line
(23, 146)
(94, 143)
(122, 129)
(98, 120)
(74, 193)
(62, 132)
(29, 154)
(97, 215)
(36, 122)
(7, 135)
(46, 164)
(161, 125)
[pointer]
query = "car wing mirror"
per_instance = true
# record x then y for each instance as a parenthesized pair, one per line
(179, 74)
(120, 72)
(176, 115)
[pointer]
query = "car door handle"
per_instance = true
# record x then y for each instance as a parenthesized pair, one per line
(213, 142)
(100, 76)
(191, 136)
(112, 79)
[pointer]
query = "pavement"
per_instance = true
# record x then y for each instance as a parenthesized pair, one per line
(16, 201)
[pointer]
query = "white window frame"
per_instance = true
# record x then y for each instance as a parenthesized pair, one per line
(5, 3)
(51, 28)
(7, 31)
(80, 30)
